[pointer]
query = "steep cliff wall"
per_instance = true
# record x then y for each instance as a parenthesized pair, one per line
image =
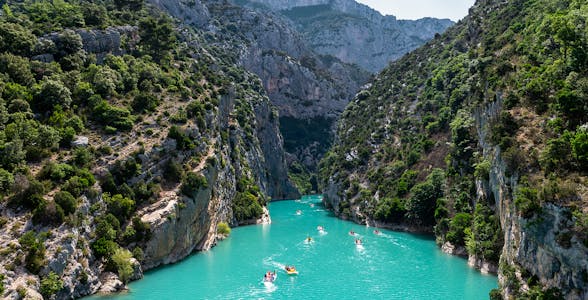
(354, 32)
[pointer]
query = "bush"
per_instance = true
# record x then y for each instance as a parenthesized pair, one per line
(50, 94)
(183, 141)
(138, 254)
(246, 207)
(121, 207)
(117, 117)
(82, 157)
(145, 102)
(121, 259)
(192, 183)
(35, 257)
(103, 247)
(390, 210)
(527, 202)
(2, 277)
(28, 192)
(173, 171)
(457, 226)
(6, 181)
(50, 285)
(67, 202)
(223, 228)
(48, 213)
(56, 172)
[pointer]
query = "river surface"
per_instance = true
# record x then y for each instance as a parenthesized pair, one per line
(389, 265)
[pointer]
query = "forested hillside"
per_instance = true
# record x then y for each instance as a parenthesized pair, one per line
(125, 139)
(481, 137)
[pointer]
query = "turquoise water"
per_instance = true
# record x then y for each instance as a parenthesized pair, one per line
(391, 265)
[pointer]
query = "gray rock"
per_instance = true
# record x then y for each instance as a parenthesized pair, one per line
(110, 283)
(354, 32)
(80, 141)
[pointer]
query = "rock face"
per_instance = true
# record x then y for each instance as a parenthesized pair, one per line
(536, 245)
(353, 32)
(98, 42)
(302, 84)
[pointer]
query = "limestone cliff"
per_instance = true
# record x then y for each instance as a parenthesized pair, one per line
(354, 32)
(309, 90)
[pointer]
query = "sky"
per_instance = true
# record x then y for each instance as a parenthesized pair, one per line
(416, 9)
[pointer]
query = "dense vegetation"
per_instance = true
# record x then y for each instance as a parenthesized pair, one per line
(411, 147)
(156, 89)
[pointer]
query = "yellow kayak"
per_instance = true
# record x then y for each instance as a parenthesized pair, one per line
(291, 271)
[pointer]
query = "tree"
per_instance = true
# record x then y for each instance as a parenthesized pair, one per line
(423, 201)
(457, 226)
(17, 68)
(158, 36)
(121, 207)
(51, 93)
(580, 148)
(16, 39)
(223, 228)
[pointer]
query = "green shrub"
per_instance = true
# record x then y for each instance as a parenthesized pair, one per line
(183, 141)
(390, 210)
(48, 213)
(138, 254)
(145, 102)
(223, 228)
(457, 226)
(192, 183)
(66, 201)
(56, 172)
(28, 192)
(2, 289)
(526, 201)
(121, 207)
(121, 258)
(246, 207)
(50, 285)
(6, 181)
(173, 171)
(35, 249)
(103, 247)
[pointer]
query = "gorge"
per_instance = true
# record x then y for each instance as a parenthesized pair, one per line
(131, 132)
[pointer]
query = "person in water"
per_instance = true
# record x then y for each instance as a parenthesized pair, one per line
(351, 232)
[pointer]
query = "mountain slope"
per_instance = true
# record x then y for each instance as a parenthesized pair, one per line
(120, 131)
(309, 90)
(480, 137)
(353, 32)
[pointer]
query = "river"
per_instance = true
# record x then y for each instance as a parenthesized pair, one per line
(389, 265)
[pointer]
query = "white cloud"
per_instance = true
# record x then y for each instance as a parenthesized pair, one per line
(416, 9)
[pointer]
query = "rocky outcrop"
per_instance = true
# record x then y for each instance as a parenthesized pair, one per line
(98, 42)
(354, 32)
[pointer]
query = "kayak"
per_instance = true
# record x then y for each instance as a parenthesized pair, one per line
(291, 272)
